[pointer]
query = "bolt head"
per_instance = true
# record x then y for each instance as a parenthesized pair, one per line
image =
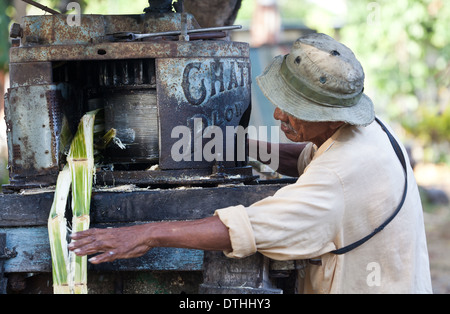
(16, 31)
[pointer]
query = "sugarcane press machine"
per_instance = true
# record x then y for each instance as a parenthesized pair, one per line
(150, 73)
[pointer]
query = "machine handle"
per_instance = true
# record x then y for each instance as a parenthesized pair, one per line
(131, 36)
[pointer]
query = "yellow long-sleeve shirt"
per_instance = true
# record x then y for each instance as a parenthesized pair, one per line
(349, 186)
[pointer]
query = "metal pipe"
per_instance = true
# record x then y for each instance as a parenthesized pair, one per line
(213, 29)
(42, 7)
(132, 36)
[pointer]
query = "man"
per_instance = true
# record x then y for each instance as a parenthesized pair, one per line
(351, 183)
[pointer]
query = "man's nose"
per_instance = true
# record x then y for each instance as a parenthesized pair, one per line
(280, 115)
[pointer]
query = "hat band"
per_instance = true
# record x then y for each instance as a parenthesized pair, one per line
(313, 95)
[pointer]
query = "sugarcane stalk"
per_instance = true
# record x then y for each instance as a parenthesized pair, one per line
(65, 137)
(82, 168)
(70, 271)
(57, 230)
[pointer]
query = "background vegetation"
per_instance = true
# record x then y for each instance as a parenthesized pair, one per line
(404, 47)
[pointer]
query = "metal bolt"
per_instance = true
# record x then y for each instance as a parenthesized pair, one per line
(16, 31)
(184, 34)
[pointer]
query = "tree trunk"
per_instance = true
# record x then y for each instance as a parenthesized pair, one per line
(213, 13)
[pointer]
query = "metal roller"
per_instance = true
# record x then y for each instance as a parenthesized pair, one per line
(134, 114)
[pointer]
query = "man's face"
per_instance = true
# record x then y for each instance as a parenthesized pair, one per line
(298, 130)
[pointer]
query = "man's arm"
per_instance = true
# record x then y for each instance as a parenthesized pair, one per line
(288, 156)
(130, 242)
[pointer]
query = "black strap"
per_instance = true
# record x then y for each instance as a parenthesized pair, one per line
(402, 159)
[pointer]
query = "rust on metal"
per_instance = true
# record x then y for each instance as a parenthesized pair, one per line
(30, 73)
(54, 29)
(197, 93)
(132, 50)
(146, 87)
(33, 126)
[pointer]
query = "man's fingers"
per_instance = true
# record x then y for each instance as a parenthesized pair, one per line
(89, 242)
(112, 244)
(84, 250)
(76, 244)
(109, 256)
(114, 254)
(83, 234)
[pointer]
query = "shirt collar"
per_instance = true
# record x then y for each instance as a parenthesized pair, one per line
(329, 142)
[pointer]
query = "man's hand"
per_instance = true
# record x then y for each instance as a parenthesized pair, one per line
(130, 242)
(117, 243)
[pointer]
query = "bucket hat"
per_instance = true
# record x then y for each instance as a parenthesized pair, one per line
(320, 80)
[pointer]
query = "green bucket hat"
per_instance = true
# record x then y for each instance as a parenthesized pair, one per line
(320, 80)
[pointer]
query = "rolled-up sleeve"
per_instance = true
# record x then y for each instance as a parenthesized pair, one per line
(240, 230)
(300, 221)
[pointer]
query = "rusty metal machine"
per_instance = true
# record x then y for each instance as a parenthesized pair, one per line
(150, 73)
(146, 86)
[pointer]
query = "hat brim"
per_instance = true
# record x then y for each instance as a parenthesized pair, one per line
(292, 102)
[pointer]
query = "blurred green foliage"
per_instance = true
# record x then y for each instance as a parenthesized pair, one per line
(4, 34)
(115, 7)
(433, 125)
(404, 47)
(102, 6)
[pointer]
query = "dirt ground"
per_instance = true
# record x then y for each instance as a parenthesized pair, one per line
(437, 224)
